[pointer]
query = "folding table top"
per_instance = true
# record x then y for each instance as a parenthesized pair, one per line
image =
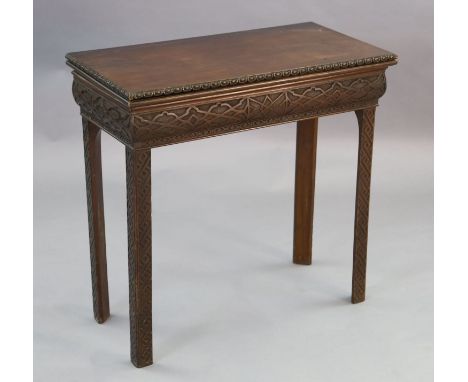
(219, 61)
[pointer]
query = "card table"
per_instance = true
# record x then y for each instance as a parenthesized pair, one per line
(163, 93)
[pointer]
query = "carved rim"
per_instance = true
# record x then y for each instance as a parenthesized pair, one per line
(227, 82)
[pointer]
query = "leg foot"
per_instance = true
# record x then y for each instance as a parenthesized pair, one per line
(366, 119)
(139, 255)
(97, 239)
(306, 152)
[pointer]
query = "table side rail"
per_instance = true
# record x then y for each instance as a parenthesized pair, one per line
(176, 122)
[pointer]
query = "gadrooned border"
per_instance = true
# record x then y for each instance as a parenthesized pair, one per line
(228, 82)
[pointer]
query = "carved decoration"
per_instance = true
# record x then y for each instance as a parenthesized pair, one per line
(366, 119)
(138, 164)
(253, 78)
(103, 111)
(197, 121)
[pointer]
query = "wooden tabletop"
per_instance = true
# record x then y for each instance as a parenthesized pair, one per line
(230, 59)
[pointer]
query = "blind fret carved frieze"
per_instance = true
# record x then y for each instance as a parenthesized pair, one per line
(191, 121)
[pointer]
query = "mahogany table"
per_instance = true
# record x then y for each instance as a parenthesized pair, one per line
(162, 93)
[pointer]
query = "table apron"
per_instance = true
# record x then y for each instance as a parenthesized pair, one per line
(197, 119)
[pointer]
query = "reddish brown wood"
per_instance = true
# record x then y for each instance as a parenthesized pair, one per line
(158, 94)
(174, 67)
(306, 153)
(139, 255)
(366, 120)
(165, 121)
(97, 238)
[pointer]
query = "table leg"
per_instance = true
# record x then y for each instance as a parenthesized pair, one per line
(97, 238)
(366, 119)
(139, 255)
(306, 152)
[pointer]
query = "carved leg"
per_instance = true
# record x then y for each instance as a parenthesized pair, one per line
(306, 152)
(139, 255)
(366, 136)
(97, 238)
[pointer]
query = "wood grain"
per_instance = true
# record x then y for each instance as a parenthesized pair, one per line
(97, 238)
(366, 120)
(163, 93)
(139, 255)
(306, 154)
(223, 60)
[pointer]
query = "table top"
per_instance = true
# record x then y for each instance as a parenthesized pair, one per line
(211, 62)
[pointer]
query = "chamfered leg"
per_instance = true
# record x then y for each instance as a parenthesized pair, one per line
(306, 153)
(97, 239)
(366, 118)
(138, 163)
